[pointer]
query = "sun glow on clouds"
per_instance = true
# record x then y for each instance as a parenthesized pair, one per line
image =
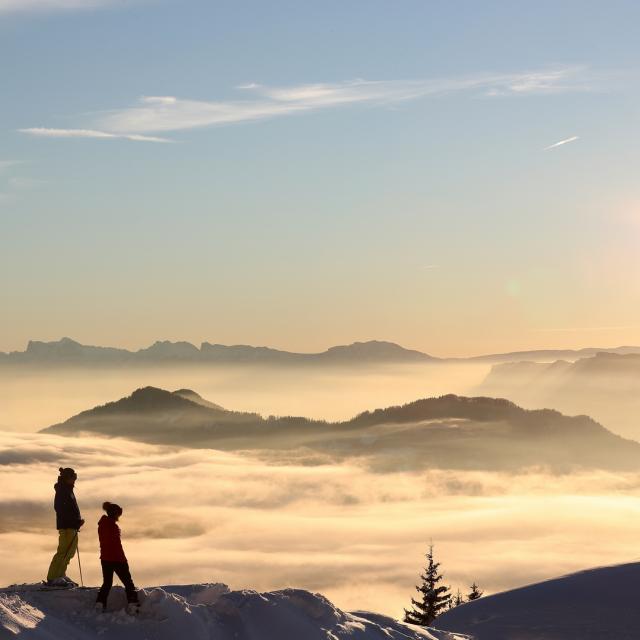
(170, 113)
(357, 536)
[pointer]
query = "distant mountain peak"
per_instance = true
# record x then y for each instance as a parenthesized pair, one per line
(150, 392)
(39, 344)
(191, 395)
(377, 349)
(187, 392)
(143, 401)
(170, 350)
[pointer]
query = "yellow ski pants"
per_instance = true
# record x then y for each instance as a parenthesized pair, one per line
(67, 546)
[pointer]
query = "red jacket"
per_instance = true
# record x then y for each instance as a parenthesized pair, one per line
(110, 544)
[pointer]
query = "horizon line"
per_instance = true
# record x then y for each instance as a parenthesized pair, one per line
(134, 351)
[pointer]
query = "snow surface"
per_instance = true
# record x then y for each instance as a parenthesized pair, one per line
(194, 612)
(598, 604)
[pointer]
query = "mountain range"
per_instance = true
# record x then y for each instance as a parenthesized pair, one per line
(444, 432)
(606, 386)
(68, 351)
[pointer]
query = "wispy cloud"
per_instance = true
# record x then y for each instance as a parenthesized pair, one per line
(561, 142)
(52, 5)
(12, 183)
(154, 114)
(88, 133)
(7, 164)
(25, 184)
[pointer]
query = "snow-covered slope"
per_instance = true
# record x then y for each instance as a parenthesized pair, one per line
(599, 604)
(194, 612)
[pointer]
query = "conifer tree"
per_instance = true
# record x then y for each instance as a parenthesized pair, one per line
(457, 600)
(475, 593)
(434, 597)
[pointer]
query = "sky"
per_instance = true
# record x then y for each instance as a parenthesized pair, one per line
(457, 177)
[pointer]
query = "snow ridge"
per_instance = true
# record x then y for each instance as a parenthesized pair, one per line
(197, 612)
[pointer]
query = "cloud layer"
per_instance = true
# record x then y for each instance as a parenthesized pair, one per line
(356, 536)
(7, 164)
(54, 5)
(162, 114)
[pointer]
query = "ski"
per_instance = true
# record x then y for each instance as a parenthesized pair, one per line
(42, 587)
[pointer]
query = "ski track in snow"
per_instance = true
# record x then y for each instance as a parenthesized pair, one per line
(194, 612)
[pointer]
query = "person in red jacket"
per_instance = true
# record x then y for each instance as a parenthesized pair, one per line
(113, 559)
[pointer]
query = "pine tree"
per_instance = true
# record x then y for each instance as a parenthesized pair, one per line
(434, 599)
(475, 593)
(457, 600)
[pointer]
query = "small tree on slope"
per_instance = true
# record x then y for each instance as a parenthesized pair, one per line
(434, 597)
(456, 601)
(475, 593)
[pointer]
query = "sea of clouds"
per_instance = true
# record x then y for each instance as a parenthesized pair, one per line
(267, 521)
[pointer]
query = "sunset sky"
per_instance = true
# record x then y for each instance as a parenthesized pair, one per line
(458, 177)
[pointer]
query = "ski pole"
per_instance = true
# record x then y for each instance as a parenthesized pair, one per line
(79, 564)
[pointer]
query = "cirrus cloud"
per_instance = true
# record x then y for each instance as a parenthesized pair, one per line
(55, 5)
(161, 114)
(45, 132)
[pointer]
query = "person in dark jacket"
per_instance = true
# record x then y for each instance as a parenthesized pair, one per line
(68, 523)
(112, 558)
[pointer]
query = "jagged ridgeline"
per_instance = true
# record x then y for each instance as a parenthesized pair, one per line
(70, 352)
(446, 432)
(163, 352)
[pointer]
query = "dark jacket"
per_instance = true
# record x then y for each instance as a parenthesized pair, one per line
(110, 544)
(67, 510)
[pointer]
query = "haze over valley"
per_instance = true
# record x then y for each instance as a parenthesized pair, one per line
(605, 386)
(49, 381)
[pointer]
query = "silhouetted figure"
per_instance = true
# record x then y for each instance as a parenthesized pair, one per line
(113, 559)
(68, 523)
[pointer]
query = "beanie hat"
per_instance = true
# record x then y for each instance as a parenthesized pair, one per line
(111, 509)
(67, 472)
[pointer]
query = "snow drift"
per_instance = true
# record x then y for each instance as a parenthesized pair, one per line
(598, 604)
(196, 612)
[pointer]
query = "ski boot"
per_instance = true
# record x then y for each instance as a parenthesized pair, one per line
(58, 583)
(69, 581)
